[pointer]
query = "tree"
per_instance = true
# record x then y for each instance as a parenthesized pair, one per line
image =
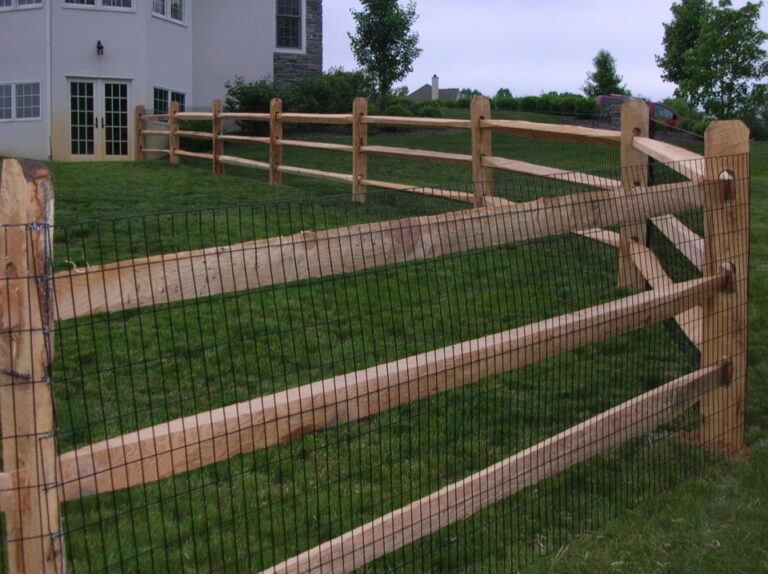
(604, 79)
(384, 44)
(680, 35)
(504, 93)
(469, 92)
(715, 55)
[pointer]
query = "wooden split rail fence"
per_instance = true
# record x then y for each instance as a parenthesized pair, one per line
(36, 478)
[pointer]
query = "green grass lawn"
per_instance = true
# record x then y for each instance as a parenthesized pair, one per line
(124, 371)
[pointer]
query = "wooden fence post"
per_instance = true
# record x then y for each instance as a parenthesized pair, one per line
(33, 528)
(275, 139)
(359, 158)
(726, 230)
(140, 111)
(635, 122)
(173, 128)
(482, 146)
(218, 144)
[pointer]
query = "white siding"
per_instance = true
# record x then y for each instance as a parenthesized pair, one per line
(231, 38)
(23, 59)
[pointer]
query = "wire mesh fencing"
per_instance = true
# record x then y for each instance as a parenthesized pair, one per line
(408, 384)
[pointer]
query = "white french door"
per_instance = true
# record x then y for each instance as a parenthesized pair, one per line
(99, 119)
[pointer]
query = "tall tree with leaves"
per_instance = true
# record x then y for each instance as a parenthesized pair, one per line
(715, 55)
(604, 79)
(384, 43)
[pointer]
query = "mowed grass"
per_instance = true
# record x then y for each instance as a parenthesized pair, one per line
(119, 373)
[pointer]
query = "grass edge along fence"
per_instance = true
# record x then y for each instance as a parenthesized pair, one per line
(36, 478)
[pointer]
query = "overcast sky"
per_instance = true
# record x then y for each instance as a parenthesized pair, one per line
(528, 46)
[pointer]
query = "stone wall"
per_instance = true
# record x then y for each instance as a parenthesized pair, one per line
(290, 67)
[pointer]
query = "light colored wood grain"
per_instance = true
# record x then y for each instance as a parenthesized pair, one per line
(417, 154)
(687, 241)
(554, 132)
(683, 161)
(245, 139)
(429, 191)
(26, 397)
(316, 145)
(418, 123)
(194, 154)
(635, 123)
(316, 173)
(160, 151)
(245, 116)
(359, 158)
(194, 135)
(523, 167)
(601, 235)
(184, 444)
(243, 162)
(217, 129)
(173, 128)
(482, 147)
(138, 124)
(155, 132)
(187, 275)
(156, 117)
(329, 119)
(653, 272)
(462, 499)
(725, 319)
(275, 135)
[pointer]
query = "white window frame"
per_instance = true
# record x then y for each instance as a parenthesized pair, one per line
(166, 14)
(14, 104)
(169, 94)
(16, 6)
(303, 37)
(98, 5)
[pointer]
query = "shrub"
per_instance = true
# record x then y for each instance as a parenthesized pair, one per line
(328, 93)
(464, 103)
(399, 110)
(505, 103)
(253, 97)
(428, 110)
(529, 104)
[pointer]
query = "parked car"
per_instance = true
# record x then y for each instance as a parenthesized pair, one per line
(611, 106)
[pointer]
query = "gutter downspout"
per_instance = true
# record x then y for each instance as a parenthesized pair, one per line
(49, 72)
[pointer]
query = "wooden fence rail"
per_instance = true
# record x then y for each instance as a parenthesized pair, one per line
(711, 310)
(479, 128)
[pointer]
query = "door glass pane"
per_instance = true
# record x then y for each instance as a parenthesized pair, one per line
(115, 119)
(81, 118)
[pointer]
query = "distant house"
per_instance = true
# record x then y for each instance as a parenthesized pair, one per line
(73, 71)
(429, 92)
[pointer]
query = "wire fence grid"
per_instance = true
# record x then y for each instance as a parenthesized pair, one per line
(254, 387)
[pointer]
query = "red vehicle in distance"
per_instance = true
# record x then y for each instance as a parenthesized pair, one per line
(662, 113)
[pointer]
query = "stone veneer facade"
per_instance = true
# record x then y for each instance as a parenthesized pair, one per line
(290, 67)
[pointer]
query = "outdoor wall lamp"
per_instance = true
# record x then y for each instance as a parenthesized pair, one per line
(99, 48)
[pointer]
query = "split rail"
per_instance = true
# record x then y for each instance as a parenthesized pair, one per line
(711, 310)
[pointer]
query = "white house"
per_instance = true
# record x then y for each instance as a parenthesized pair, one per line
(73, 71)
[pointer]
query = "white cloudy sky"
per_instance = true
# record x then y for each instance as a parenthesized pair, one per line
(529, 46)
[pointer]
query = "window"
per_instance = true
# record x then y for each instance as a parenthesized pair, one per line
(20, 3)
(102, 3)
(162, 97)
(20, 101)
(6, 102)
(171, 9)
(289, 25)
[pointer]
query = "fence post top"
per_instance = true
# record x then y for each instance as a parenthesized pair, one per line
(38, 198)
(731, 137)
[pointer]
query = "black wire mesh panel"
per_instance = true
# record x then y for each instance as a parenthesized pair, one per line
(237, 387)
